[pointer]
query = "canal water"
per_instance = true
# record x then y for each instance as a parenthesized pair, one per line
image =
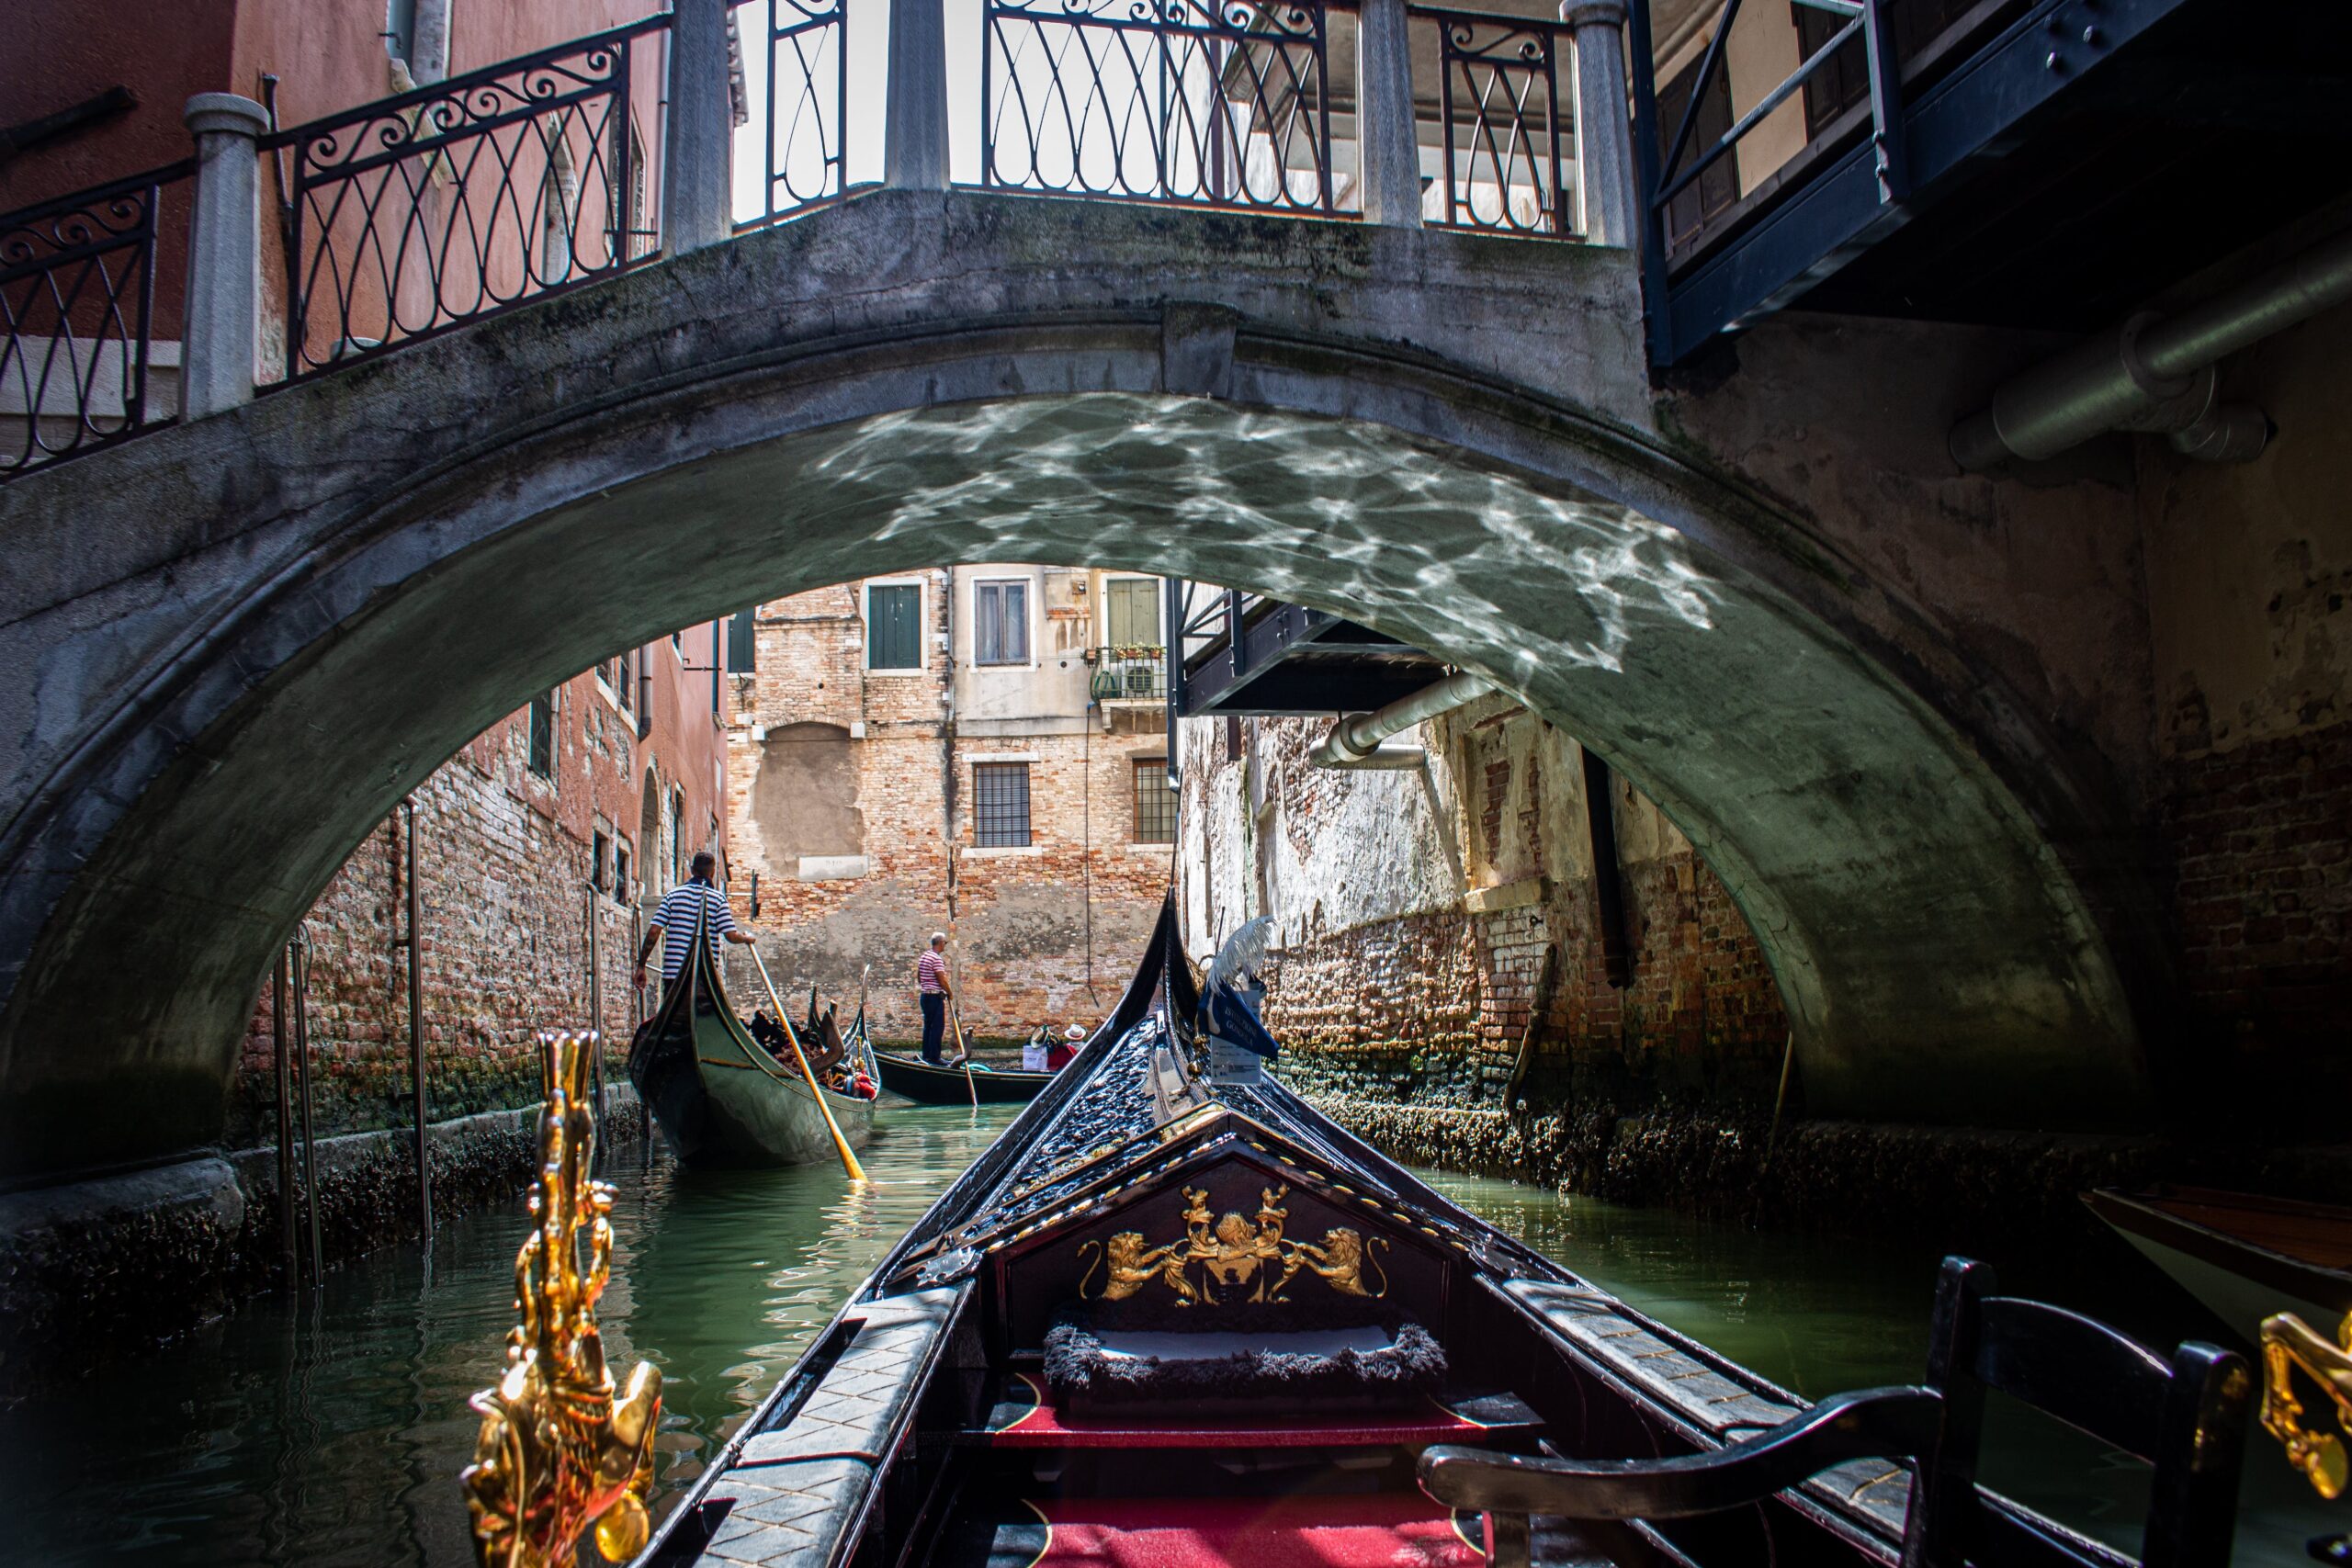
(328, 1429)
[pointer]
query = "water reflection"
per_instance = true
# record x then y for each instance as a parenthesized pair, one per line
(330, 1429)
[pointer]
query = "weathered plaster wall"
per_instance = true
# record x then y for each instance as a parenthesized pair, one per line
(2249, 575)
(1437, 930)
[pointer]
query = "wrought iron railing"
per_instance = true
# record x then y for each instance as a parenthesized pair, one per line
(1504, 93)
(806, 109)
(421, 212)
(1216, 103)
(78, 300)
(1128, 674)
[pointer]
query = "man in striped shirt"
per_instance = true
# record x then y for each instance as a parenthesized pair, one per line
(933, 990)
(680, 910)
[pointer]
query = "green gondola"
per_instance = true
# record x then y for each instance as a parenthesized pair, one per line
(721, 1098)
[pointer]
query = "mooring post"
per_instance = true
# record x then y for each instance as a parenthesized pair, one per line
(223, 308)
(285, 1120)
(596, 1001)
(301, 968)
(1387, 143)
(914, 145)
(416, 1031)
(1604, 135)
(697, 156)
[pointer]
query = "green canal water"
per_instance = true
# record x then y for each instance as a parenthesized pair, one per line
(328, 1429)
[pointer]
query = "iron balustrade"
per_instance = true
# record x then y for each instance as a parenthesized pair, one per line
(807, 111)
(1213, 103)
(442, 205)
(1128, 674)
(1503, 120)
(78, 300)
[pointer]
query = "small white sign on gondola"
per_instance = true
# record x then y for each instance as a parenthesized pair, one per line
(1232, 1064)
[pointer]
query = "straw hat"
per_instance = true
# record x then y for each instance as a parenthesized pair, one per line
(1073, 1033)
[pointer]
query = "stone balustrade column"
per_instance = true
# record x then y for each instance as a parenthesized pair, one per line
(1389, 153)
(914, 147)
(218, 336)
(1604, 131)
(697, 158)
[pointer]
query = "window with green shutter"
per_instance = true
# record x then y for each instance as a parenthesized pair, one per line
(894, 625)
(1131, 612)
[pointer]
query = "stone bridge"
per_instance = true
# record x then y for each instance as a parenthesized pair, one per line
(1880, 698)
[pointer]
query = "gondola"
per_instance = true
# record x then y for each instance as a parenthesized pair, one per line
(721, 1098)
(918, 1080)
(2244, 1255)
(1178, 1317)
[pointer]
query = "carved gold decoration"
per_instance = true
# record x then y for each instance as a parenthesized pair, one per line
(1234, 1254)
(557, 1454)
(2288, 1342)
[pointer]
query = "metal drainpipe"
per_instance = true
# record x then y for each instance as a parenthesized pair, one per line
(416, 1031)
(2157, 373)
(1356, 742)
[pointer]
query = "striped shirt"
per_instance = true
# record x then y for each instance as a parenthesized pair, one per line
(676, 920)
(931, 970)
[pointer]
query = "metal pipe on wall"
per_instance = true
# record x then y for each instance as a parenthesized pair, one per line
(1355, 742)
(416, 1030)
(2157, 373)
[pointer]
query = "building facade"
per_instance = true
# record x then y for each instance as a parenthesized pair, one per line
(978, 749)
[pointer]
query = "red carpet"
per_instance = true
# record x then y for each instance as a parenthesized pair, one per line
(1382, 1531)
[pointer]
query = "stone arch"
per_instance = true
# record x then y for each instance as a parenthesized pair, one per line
(1938, 958)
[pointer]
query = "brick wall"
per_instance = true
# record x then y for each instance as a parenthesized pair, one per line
(2263, 894)
(504, 857)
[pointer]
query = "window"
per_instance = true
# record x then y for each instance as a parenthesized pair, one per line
(1001, 633)
(1001, 805)
(600, 861)
(743, 641)
(680, 857)
(1131, 612)
(399, 29)
(620, 871)
(542, 736)
(1155, 802)
(1718, 188)
(624, 681)
(894, 625)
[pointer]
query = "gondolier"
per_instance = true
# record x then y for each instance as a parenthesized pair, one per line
(680, 908)
(934, 992)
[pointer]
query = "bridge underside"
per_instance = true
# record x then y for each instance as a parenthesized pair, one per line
(252, 635)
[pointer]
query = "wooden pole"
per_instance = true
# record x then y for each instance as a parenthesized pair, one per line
(1779, 1103)
(841, 1145)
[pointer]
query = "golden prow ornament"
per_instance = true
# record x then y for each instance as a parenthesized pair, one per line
(557, 1454)
(2288, 1343)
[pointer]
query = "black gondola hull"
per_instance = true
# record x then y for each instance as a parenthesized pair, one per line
(917, 1080)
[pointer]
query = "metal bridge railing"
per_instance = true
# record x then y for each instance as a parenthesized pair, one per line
(460, 200)
(418, 213)
(77, 297)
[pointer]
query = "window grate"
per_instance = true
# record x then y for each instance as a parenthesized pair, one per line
(1001, 805)
(1155, 804)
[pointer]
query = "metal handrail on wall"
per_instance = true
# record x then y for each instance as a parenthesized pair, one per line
(1504, 121)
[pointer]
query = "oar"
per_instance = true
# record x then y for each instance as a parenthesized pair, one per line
(841, 1145)
(964, 1046)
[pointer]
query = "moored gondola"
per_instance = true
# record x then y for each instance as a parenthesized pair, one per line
(943, 1085)
(1193, 1323)
(721, 1098)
